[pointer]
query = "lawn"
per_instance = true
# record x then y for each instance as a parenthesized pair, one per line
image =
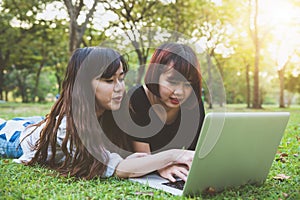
(21, 182)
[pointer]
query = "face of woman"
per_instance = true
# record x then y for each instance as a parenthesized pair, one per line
(109, 91)
(173, 89)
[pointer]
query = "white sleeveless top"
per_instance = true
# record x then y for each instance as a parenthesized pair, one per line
(29, 140)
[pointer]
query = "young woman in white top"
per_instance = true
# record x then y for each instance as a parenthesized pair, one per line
(70, 138)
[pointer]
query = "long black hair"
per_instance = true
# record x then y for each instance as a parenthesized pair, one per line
(84, 154)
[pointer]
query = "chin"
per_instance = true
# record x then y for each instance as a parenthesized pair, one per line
(170, 105)
(115, 107)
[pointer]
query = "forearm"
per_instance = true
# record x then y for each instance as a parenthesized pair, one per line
(135, 167)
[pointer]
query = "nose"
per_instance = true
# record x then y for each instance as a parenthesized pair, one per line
(178, 90)
(118, 86)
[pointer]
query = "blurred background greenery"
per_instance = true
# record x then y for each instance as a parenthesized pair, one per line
(251, 46)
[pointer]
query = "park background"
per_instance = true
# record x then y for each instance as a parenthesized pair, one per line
(250, 47)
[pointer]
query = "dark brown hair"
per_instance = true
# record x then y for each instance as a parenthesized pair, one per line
(184, 61)
(73, 103)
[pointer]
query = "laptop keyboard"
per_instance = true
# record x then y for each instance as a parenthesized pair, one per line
(177, 184)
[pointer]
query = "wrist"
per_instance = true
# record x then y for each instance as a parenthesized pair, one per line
(174, 155)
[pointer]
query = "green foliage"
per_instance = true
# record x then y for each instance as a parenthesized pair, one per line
(293, 83)
(42, 45)
(23, 182)
(34, 47)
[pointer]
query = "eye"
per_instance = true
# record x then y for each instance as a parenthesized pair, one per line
(121, 78)
(108, 80)
(188, 84)
(172, 82)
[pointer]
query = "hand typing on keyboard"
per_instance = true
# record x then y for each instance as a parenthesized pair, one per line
(172, 171)
(178, 184)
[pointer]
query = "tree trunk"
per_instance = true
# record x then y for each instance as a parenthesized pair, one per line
(72, 36)
(290, 98)
(142, 56)
(37, 80)
(248, 85)
(281, 83)
(22, 88)
(6, 95)
(141, 70)
(3, 62)
(219, 67)
(256, 95)
(1, 83)
(209, 82)
(59, 82)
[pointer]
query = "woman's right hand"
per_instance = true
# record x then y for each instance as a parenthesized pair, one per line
(172, 171)
(184, 157)
(182, 161)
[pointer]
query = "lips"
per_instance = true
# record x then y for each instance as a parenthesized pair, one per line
(174, 101)
(118, 98)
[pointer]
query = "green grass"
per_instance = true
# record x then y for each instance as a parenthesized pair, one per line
(22, 182)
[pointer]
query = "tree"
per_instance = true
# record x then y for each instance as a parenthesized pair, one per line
(47, 45)
(253, 5)
(35, 42)
(293, 83)
(76, 31)
(243, 50)
(6, 42)
(284, 43)
(133, 15)
(215, 44)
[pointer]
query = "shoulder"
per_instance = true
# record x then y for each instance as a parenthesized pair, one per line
(135, 90)
(137, 94)
(138, 100)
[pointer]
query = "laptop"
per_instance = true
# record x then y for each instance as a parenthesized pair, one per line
(233, 149)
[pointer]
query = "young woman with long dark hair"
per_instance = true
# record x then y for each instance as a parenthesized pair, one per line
(70, 138)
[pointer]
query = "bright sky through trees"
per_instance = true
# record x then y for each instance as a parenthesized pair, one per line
(279, 16)
(283, 19)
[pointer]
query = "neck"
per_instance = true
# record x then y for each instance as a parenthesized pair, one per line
(99, 112)
(172, 113)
